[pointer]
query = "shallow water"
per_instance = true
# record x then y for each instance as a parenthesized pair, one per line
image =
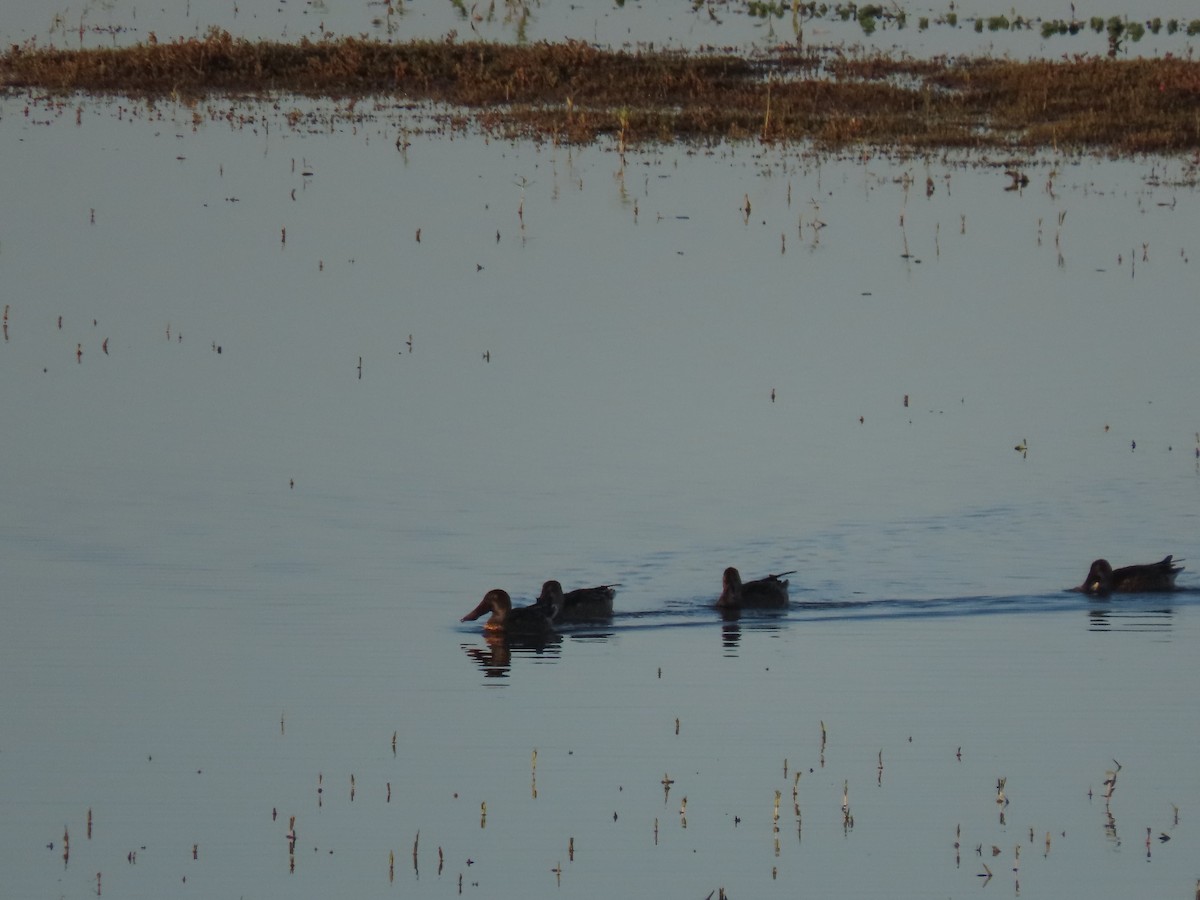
(728, 24)
(236, 545)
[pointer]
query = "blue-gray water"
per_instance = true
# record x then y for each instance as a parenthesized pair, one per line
(230, 577)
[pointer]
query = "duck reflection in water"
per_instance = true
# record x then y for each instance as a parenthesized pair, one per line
(594, 604)
(1150, 578)
(763, 593)
(731, 634)
(495, 657)
(1134, 618)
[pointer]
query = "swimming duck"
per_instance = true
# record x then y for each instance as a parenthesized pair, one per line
(505, 619)
(1102, 579)
(765, 593)
(580, 605)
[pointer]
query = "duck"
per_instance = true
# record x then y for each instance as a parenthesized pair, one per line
(580, 605)
(1102, 579)
(765, 593)
(506, 620)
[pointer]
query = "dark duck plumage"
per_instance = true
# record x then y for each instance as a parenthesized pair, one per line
(1102, 579)
(580, 605)
(506, 620)
(764, 593)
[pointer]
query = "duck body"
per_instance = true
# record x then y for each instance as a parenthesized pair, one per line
(1102, 579)
(764, 593)
(580, 605)
(504, 619)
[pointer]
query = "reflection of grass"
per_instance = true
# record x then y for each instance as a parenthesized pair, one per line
(870, 16)
(575, 92)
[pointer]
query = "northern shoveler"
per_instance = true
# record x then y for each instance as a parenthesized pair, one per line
(581, 605)
(505, 619)
(1102, 579)
(765, 593)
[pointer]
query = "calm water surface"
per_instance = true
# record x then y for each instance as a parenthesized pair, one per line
(237, 544)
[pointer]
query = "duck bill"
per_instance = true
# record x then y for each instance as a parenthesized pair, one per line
(483, 607)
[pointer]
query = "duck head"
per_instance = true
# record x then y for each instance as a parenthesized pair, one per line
(1099, 579)
(550, 600)
(731, 587)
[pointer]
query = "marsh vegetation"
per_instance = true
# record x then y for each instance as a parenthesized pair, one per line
(574, 92)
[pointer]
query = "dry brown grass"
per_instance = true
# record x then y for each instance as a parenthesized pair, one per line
(574, 92)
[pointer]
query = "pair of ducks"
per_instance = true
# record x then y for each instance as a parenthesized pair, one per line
(596, 603)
